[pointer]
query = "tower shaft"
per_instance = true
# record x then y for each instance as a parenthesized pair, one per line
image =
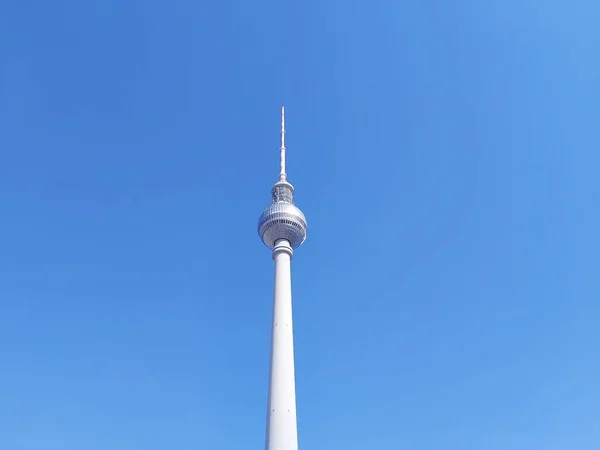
(282, 433)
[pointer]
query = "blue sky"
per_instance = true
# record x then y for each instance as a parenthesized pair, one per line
(444, 154)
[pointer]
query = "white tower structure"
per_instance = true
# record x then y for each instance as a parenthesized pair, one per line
(282, 227)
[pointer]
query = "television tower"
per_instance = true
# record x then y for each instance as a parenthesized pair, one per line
(282, 227)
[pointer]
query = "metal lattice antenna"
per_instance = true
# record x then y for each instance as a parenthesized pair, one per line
(282, 174)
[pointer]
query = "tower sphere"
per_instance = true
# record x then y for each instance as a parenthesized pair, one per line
(282, 219)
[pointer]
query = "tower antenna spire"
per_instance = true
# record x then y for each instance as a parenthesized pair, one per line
(282, 174)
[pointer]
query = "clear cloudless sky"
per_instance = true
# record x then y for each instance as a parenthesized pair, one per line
(445, 155)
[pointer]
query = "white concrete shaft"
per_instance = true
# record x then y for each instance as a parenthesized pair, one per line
(282, 433)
